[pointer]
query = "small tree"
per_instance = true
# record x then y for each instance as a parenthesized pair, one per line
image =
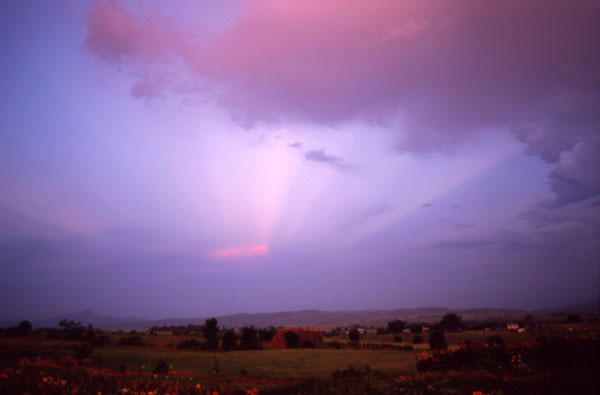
(211, 333)
(267, 334)
(416, 329)
(437, 340)
(495, 340)
(230, 340)
(354, 335)
(292, 340)
(396, 326)
(250, 338)
(451, 322)
(161, 367)
(24, 328)
(571, 319)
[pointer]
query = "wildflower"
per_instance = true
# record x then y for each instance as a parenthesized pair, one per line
(63, 382)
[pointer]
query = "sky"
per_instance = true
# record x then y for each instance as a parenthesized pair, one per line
(196, 158)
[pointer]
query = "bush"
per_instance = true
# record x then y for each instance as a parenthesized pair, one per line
(292, 340)
(161, 367)
(211, 333)
(230, 340)
(307, 344)
(380, 331)
(571, 319)
(102, 340)
(249, 339)
(418, 339)
(135, 341)
(189, 344)
(84, 350)
(336, 345)
(451, 322)
(24, 328)
(416, 329)
(437, 340)
(267, 334)
(354, 335)
(396, 326)
(397, 339)
(495, 340)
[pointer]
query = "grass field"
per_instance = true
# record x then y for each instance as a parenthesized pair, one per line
(298, 363)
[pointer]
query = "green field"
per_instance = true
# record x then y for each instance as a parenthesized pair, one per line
(261, 363)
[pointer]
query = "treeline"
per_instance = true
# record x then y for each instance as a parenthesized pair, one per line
(213, 337)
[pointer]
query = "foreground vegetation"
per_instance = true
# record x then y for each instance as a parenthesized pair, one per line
(75, 359)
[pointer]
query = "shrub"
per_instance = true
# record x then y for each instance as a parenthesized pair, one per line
(495, 340)
(135, 341)
(396, 326)
(397, 339)
(249, 339)
(84, 350)
(266, 334)
(418, 339)
(230, 340)
(335, 345)
(189, 344)
(292, 340)
(416, 329)
(571, 319)
(102, 340)
(24, 328)
(437, 340)
(451, 322)
(354, 335)
(307, 344)
(161, 367)
(211, 333)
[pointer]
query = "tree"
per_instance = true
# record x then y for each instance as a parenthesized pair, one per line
(292, 340)
(573, 318)
(451, 322)
(211, 333)
(267, 334)
(354, 335)
(437, 340)
(396, 326)
(230, 339)
(250, 338)
(161, 367)
(24, 328)
(416, 329)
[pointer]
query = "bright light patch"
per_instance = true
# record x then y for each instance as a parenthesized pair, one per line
(245, 251)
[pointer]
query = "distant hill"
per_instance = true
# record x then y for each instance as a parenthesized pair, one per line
(315, 318)
(88, 317)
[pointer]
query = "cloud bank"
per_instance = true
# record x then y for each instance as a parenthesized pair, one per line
(435, 72)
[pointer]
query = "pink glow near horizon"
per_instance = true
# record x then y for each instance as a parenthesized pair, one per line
(244, 251)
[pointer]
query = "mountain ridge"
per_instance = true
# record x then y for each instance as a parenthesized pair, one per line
(311, 317)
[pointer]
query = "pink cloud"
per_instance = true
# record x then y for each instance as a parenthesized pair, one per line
(447, 70)
(245, 251)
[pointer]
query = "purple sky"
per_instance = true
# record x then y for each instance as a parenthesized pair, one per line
(196, 158)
